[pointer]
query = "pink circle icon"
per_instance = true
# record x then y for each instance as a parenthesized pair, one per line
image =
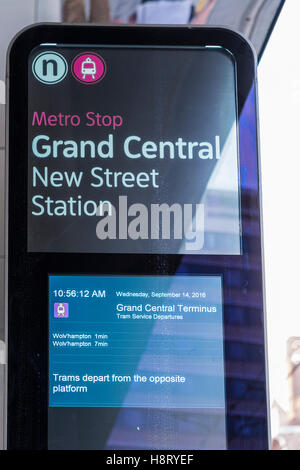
(88, 68)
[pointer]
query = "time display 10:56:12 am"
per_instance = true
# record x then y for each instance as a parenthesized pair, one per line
(79, 293)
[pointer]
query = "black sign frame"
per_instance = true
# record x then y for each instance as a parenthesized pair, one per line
(27, 273)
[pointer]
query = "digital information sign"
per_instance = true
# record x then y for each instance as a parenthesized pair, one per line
(112, 159)
(157, 341)
(141, 342)
(135, 300)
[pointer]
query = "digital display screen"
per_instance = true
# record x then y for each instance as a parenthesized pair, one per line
(136, 362)
(133, 150)
(134, 273)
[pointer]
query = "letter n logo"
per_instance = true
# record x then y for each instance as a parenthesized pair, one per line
(49, 68)
(46, 64)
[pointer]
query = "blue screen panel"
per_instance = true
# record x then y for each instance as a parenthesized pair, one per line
(127, 341)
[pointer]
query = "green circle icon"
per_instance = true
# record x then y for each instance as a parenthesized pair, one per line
(49, 67)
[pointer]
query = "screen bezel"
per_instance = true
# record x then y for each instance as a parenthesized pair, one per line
(27, 273)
